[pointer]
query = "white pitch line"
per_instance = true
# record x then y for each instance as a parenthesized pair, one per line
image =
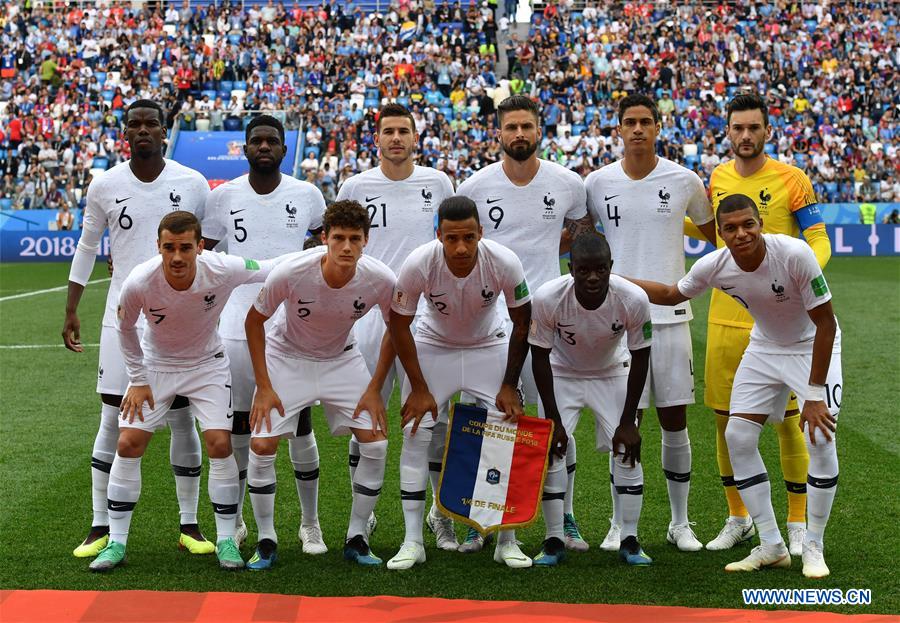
(36, 292)
(30, 346)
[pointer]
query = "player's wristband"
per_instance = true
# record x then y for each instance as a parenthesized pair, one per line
(815, 393)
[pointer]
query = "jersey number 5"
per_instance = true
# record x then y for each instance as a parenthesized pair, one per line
(240, 233)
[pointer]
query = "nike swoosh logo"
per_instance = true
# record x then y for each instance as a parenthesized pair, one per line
(233, 212)
(490, 201)
(118, 507)
(118, 201)
(726, 289)
(720, 193)
(302, 302)
(153, 311)
(605, 198)
(229, 416)
(368, 199)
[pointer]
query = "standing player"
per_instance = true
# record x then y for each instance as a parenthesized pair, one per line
(402, 200)
(310, 355)
(130, 199)
(642, 201)
(583, 326)
(525, 203)
(794, 347)
(181, 292)
(787, 203)
(265, 214)
(461, 344)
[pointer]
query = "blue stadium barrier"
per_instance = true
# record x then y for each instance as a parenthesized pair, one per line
(28, 220)
(220, 155)
(59, 246)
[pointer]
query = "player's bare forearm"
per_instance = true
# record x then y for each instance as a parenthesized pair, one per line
(405, 347)
(543, 379)
(660, 293)
(518, 343)
(572, 228)
(709, 231)
(71, 332)
(637, 378)
(386, 357)
(826, 329)
(256, 344)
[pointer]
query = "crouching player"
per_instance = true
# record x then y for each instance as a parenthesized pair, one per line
(310, 354)
(182, 293)
(583, 326)
(794, 346)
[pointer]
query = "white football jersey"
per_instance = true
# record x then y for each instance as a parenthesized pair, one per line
(317, 320)
(528, 219)
(403, 213)
(644, 223)
(180, 331)
(461, 312)
(590, 343)
(260, 226)
(777, 294)
(132, 210)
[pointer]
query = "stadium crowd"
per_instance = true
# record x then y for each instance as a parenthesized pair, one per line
(828, 70)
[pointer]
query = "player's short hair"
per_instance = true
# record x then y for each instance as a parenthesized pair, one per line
(638, 99)
(518, 102)
(747, 101)
(458, 208)
(736, 203)
(179, 222)
(145, 103)
(347, 214)
(394, 110)
(265, 120)
(591, 242)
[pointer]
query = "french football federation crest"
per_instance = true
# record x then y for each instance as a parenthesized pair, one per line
(493, 476)
(175, 199)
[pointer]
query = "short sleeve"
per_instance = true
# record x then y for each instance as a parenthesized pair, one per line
(274, 292)
(639, 327)
(213, 225)
(541, 333)
(578, 209)
(590, 189)
(409, 287)
(515, 286)
(698, 277)
(345, 191)
(698, 208)
(809, 278)
(317, 204)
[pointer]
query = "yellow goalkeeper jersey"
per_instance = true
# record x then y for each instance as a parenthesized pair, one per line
(779, 190)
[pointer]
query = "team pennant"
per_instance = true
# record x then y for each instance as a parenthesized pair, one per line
(493, 473)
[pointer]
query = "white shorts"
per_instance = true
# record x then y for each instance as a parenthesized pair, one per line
(671, 373)
(112, 377)
(207, 388)
(764, 381)
(243, 383)
(447, 370)
(369, 331)
(604, 396)
(338, 383)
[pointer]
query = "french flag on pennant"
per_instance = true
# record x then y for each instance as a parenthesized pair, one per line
(493, 473)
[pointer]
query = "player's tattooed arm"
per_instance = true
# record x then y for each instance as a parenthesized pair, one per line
(508, 396)
(543, 378)
(815, 412)
(660, 293)
(572, 228)
(626, 435)
(420, 400)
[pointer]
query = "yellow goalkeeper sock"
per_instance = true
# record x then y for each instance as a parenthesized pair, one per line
(736, 506)
(794, 466)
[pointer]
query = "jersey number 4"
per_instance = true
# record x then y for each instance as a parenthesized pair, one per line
(613, 214)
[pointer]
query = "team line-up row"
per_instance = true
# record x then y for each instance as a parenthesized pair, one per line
(473, 310)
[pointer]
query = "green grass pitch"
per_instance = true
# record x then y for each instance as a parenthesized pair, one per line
(49, 419)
